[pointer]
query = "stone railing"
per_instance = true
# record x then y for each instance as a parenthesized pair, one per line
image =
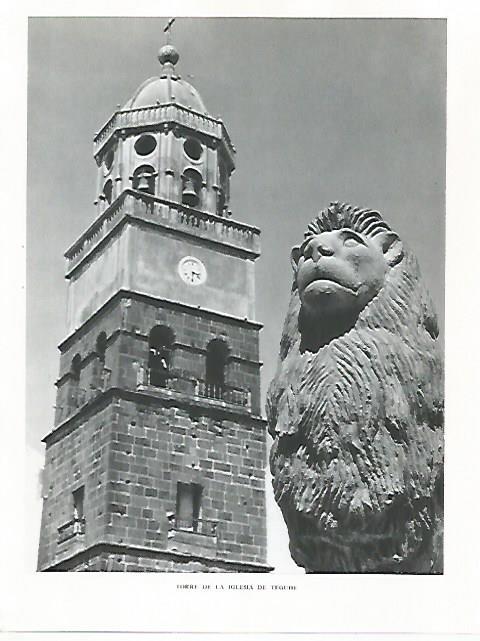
(71, 529)
(225, 393)
(198, 526)
(161, 114)
(97, 231)
(168, 214)
(197, 388)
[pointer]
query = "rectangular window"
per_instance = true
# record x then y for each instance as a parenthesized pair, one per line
(78, 496)
(189, 496)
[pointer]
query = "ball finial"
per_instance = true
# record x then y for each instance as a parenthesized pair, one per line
(168, 53)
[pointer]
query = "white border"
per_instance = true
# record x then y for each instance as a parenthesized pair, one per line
(370, 604)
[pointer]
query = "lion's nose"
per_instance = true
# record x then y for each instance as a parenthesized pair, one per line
(318, 247)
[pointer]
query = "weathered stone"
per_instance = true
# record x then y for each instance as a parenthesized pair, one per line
(356, 406)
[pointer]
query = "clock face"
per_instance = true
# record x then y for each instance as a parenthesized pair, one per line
(192, 271)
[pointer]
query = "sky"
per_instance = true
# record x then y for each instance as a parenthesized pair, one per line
(318, 109)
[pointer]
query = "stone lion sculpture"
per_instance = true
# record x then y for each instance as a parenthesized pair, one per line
(355, 409)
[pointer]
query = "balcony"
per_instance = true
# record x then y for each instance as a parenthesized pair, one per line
(71, 529)
(225, 393)
(192, 536)
(197, 388)
(134, 205)
(197, 526)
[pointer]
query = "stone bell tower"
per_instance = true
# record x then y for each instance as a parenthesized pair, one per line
(156, 458)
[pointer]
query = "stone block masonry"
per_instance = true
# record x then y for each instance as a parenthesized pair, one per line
(127, 320)
(130, 446)
(75, 458)
(130, 458)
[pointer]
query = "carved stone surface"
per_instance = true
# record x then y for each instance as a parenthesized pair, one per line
(356, 405)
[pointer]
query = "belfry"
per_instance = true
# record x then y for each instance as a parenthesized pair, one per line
(156, 461)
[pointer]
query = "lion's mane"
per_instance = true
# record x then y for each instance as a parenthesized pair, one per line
(357, 457)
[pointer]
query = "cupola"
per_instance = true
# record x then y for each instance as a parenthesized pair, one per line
(168, 87)
(163, 143)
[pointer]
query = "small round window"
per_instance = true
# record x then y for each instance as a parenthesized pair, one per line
(108, 161)
(145, 145)
(193, 148)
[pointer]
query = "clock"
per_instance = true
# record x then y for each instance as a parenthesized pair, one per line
(192, 271)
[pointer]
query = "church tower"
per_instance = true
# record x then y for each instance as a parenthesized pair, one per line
(156, 459)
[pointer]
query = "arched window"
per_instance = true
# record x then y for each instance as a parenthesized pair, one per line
(108, 159)
(216, 364)
(144, 179)
(75, 368)
(101, 346)
(191, 186)
(73, 389)
(108, 190)
(222, 201)
(160, 343)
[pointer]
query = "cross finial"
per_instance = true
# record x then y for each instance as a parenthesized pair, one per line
(168, 56)
(167, 29)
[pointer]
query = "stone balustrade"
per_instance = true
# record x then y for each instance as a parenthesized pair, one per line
(158, 115)
(225, 393)
(71, 529)
(167, 214)
(199, 526)
(198, 388)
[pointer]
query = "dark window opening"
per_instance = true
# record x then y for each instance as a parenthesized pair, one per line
(75, 368)
(145, 145)
(216, 364)
(160, 343)
(193, 148)
(78, 511)
(144, 179)
(222, 201)
(101, 346)
(189, 497)
(108, 191)
(191, 186)
(74, 393)
(76, 524)
(78, 498)
(109, 160)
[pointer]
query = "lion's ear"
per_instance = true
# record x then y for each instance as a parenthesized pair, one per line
(392, 247)
(295, 257)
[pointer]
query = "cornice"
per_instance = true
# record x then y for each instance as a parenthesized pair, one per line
(160, 302)
(158, 396)
(137, 550)
(140, 208)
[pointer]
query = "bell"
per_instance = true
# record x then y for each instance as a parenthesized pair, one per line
(189, 195)
(143, 183)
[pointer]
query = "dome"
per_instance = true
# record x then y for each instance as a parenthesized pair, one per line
(163, 89)
(168, 87)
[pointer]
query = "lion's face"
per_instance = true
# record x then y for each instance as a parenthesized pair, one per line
(340, 271)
